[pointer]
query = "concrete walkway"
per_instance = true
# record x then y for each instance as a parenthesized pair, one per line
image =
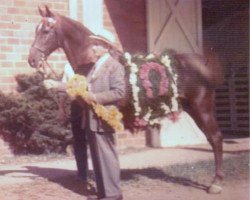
(28, 172)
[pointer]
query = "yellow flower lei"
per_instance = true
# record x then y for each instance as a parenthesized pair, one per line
(77, 86)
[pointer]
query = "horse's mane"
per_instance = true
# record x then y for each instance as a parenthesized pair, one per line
(78, 33)
(70, 26)
(73, 38)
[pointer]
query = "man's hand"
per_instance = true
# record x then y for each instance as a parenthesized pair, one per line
(49, 84)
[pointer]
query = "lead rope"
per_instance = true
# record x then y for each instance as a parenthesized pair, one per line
(44, 64)
(58, 97)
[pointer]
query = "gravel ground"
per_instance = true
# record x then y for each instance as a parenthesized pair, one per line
(182, 173)
(175, 182)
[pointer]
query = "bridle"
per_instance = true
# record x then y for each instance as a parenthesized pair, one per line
(43, 61)
(39, 49)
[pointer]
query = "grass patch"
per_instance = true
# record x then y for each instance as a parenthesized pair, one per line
(199, 174)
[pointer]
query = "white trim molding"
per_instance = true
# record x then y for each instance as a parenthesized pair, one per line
(73, 9)
(93, 17)
(93, 14)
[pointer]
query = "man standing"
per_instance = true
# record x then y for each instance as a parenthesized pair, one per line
(106, 86)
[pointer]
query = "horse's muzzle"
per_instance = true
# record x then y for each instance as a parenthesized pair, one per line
(35, 58)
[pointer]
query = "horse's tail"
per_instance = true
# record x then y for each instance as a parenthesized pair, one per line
(208, 68)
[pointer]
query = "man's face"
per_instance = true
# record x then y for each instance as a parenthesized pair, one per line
(90, 55)
(99, 50)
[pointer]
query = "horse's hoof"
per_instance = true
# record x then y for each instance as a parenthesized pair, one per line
(214, 189)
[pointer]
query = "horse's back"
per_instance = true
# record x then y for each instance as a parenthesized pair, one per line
(205, 70)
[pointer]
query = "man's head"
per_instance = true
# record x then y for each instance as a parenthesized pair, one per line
(103, 42)
(100, 49)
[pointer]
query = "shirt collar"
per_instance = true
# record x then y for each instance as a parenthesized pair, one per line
(100, 62)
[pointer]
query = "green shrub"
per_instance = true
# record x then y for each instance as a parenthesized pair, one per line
(29, 120)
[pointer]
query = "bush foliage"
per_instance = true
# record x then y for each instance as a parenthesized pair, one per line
(29, 120)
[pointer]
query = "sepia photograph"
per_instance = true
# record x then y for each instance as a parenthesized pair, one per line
(124, 100)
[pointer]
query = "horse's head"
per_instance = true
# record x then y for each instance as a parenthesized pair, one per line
(46, 38)
(57, 31)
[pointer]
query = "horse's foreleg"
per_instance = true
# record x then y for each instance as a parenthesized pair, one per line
(202, 111)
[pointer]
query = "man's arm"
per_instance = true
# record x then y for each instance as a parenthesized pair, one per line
(117, 87)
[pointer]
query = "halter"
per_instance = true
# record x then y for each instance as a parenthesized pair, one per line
(51, 23)
(44, 62)
(43, 59)
(39, 49)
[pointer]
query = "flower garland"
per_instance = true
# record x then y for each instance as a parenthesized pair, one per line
(77, 86)
(133, 82)
(145, 114)
(144, 76)
(167, 62)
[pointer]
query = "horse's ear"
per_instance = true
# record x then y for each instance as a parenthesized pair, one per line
(45, 12)
(48, 12)
(41, 11)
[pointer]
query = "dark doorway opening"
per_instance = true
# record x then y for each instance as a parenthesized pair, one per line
(226, 26)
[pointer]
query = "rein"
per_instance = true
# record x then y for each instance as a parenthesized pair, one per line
(45, 64)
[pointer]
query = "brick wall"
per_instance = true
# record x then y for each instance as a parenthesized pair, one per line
(18, 19)
(127, 139)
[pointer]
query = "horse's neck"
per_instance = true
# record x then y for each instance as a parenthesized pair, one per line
(75, 42)
(76, 54)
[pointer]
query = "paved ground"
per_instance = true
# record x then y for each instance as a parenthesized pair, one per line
(24, 181)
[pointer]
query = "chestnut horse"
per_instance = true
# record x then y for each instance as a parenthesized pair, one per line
(198, 77)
